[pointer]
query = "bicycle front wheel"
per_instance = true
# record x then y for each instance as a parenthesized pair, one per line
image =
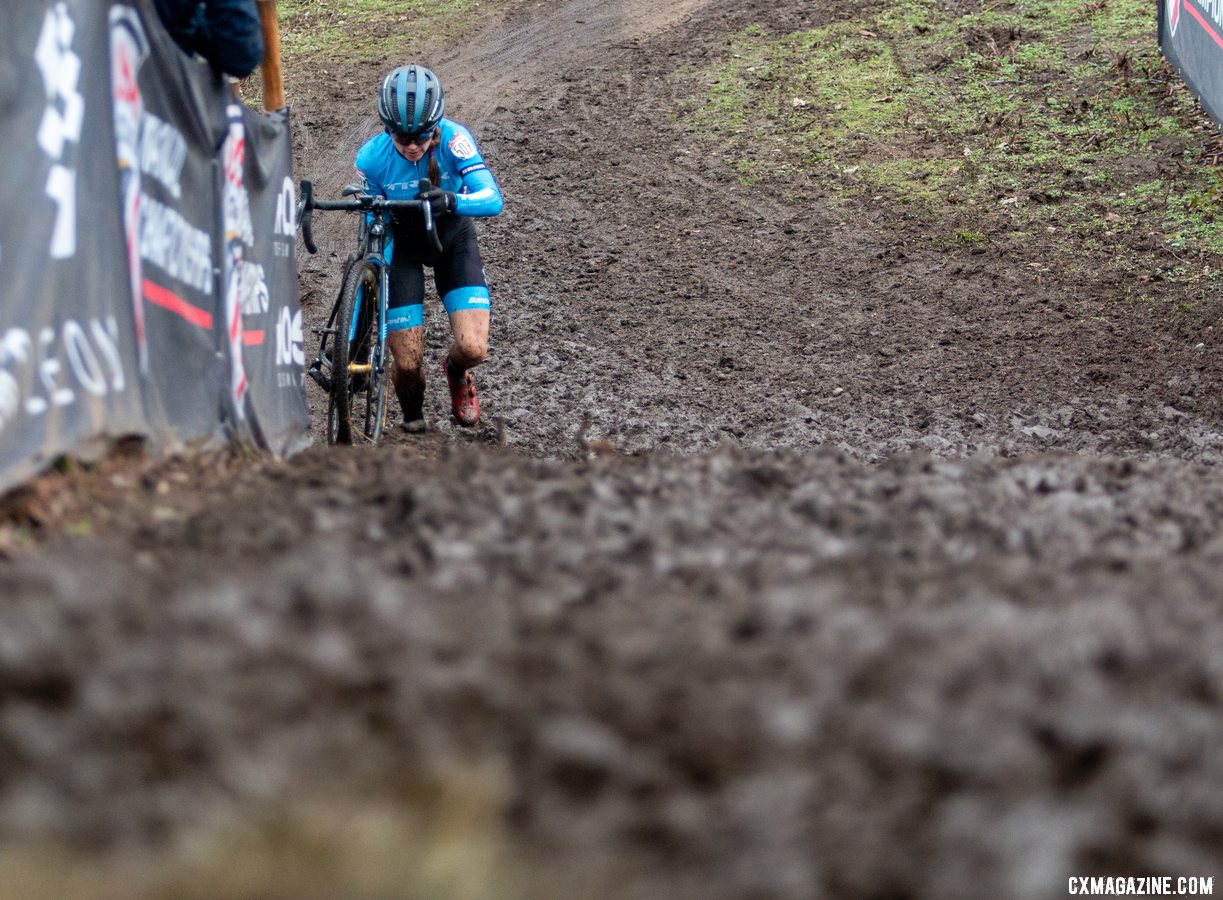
(358, 383)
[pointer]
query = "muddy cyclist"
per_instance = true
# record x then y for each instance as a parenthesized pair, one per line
(418, 142)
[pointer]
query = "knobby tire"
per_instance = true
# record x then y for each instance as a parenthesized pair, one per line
(343, 391)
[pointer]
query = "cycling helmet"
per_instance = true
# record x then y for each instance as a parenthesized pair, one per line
(411, 100)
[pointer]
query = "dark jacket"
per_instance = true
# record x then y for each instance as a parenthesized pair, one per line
(224, 32)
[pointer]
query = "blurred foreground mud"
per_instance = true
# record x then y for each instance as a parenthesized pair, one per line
(736, 675)
(890, 578)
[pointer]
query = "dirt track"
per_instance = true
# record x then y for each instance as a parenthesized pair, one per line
(900, 581)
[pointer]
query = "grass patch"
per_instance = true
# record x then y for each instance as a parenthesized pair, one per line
(363, 30)
(1034, 117)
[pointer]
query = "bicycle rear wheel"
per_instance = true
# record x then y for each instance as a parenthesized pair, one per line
(358, 382)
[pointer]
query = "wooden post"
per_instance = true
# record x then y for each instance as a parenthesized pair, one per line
(273, 78)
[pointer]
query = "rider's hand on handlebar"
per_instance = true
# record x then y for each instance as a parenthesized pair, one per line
(440, 202)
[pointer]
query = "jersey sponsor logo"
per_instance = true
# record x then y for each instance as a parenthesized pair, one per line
(476, 168)
(462, 147)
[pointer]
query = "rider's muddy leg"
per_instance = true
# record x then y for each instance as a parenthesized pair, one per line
(408, 349)
(470, 327)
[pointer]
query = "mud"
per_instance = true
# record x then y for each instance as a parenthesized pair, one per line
(793, 558)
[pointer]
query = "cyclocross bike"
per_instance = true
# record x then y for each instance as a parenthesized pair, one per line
(352, 362)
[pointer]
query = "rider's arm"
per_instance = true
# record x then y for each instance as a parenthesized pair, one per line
(479, 194)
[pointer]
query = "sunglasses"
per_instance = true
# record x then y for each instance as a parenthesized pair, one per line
(413, 140)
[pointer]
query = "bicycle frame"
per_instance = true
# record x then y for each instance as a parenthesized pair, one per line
(372, 238)
(371, 246)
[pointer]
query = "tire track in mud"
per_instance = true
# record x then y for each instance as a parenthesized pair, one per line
(637, 282)
(512, 60)
(517, 61)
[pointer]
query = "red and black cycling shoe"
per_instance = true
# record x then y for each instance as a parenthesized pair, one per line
(463, 400)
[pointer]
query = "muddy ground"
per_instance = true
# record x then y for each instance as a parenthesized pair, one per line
(794, 558)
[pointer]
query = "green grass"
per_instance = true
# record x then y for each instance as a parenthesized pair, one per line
(365, 30)
(1020, 119)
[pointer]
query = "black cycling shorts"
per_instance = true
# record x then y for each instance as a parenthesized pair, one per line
(458, 271)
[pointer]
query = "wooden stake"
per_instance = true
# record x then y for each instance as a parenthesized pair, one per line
(273, 78)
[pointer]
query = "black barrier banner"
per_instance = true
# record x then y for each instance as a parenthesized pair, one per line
(147, 276)
(1191, 38)
(67, 349)
(169, 125)
(274, 356)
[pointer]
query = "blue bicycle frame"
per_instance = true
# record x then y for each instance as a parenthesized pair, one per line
(351, 377)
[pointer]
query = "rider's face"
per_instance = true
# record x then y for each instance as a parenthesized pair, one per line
(411, 149)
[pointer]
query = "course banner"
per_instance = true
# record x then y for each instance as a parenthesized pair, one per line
(68, 371)
(1191, 39)
(169, 126)
(147, 279)
(264, 257)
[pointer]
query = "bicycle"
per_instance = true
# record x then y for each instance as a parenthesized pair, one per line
(356, 367)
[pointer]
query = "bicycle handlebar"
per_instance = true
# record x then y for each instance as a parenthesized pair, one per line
(365, 203)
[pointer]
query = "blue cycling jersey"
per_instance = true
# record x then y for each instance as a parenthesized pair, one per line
(462, 168)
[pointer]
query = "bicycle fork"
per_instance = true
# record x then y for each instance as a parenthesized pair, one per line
(377, 355)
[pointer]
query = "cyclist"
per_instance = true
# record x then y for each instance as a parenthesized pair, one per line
(420, 143)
